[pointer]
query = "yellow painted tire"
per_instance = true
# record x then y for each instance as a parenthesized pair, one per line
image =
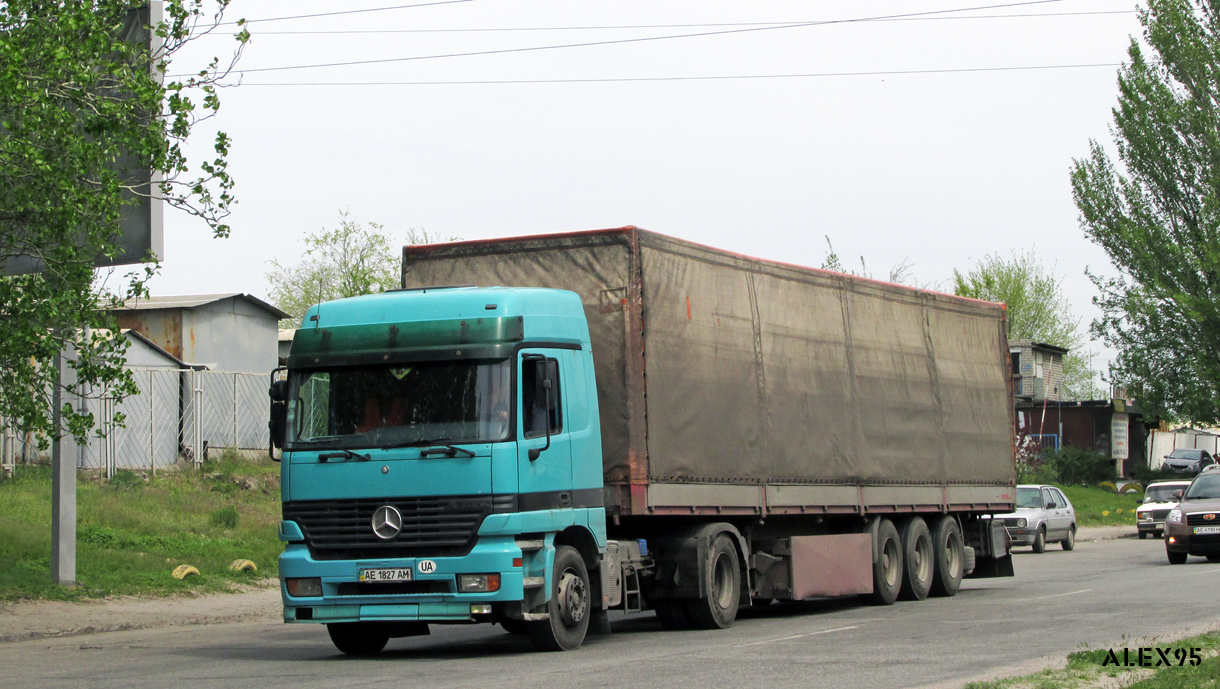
(1108, 484)
(184, 571)
(243, 566)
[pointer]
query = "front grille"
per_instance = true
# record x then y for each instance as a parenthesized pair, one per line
(1204, 540)
(1198, 520)
(1159, 515)
(431, 526)
(1009, 521)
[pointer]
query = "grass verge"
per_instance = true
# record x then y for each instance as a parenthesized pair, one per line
(1096, 506)
(133, 530)
(1125, 667)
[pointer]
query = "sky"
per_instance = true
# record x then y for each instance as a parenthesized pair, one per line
(924, 132)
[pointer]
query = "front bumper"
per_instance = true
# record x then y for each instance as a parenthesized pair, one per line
(1179, 538)
(1022, 535)
(1150, 527)
(431, 596)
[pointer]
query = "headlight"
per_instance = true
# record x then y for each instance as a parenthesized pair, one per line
(304, 588)
(1021, 522)
(1144, 516)
(1174, 516)
(478, 583)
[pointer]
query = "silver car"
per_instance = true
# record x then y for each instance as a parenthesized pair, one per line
(1044, 514)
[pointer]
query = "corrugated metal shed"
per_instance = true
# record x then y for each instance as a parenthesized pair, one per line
(231, 331)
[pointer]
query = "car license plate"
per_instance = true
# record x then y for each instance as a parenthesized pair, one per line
(376, 575)
(1207, 529)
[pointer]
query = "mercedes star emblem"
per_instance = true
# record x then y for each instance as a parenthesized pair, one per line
(387, 522)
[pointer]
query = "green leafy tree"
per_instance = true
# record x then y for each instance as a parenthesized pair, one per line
(86, 112)
(1156, 213)
(1037, 309)
(348, 261)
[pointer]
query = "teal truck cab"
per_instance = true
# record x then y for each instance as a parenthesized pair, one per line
(647, 425)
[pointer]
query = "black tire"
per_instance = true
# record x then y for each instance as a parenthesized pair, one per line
(519, 627)
(1069, 543)
(918, 560)
(950, 557)
(569, 607)
(1040, 540)
(1175, 558)
(1143, 535)
(358, 638)
(887, 565)
(1213, 558)
(671, 614)
(722, 581)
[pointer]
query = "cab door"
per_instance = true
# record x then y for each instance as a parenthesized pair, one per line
(544, 453)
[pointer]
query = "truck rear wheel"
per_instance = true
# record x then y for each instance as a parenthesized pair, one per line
(358, 638)
(887, 565)
(722, 581)
(569, 606)
(950, 557)
(918, 559)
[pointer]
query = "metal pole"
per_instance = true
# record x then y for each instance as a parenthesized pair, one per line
(198, 419)
(236, 444)
(63, 494)
(152, 425)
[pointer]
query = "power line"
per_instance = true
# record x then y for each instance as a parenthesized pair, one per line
(811, 75)
(333, 14)
(621, 41)
(624, 27)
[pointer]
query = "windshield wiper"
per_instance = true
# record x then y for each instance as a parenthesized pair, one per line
(443, 449)
(338, 451)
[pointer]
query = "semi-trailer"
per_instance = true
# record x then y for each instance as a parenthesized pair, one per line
(534, 431)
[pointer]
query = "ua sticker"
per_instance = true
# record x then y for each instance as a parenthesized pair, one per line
(426, 566)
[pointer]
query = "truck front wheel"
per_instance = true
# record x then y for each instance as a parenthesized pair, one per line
(358, 638)
(570, 605)
(722, 580)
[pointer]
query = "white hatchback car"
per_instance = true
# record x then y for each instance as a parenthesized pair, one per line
(1043, 514)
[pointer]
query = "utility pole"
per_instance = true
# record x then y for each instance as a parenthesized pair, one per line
(63, 492)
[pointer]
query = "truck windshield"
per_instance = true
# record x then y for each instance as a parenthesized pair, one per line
(399, 404)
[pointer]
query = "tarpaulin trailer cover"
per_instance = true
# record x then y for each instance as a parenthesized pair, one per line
(715, 369)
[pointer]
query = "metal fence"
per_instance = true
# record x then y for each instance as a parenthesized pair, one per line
(177, 415)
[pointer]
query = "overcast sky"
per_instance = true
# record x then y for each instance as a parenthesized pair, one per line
(927, 131)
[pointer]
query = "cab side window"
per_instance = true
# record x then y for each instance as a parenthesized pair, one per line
(1048, 497)
(534, 398)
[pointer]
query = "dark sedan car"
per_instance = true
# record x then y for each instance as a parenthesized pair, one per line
(1188, 460)
(1193, 527)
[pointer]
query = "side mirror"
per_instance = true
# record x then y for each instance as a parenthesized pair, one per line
(279, 414)
(544, 390)
(1177, 494)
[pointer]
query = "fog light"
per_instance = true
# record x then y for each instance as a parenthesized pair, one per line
(304, 588)
(1172, 539)
(478, 583)
(480, 609)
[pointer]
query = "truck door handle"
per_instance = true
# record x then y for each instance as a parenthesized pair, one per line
(565, 499)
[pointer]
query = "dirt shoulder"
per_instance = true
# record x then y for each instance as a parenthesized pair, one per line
(28, 620)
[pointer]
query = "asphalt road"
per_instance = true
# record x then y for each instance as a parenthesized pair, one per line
(1104, 594)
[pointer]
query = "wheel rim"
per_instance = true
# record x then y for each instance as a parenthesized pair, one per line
(923, 560)
(889, 561)
(572, 598)
(722, 581)
(951, 554)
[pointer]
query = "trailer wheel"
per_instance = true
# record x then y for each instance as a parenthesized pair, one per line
(358, 638)
(950, 557)
(918, 560)
(569, 606)
(887, 565)
(671, 614)
(722, 580)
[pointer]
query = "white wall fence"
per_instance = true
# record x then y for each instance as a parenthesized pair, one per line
(1161, 443)
(177, 415)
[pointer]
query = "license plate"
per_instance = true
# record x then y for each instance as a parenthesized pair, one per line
(376, 575)
(1207, 529)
